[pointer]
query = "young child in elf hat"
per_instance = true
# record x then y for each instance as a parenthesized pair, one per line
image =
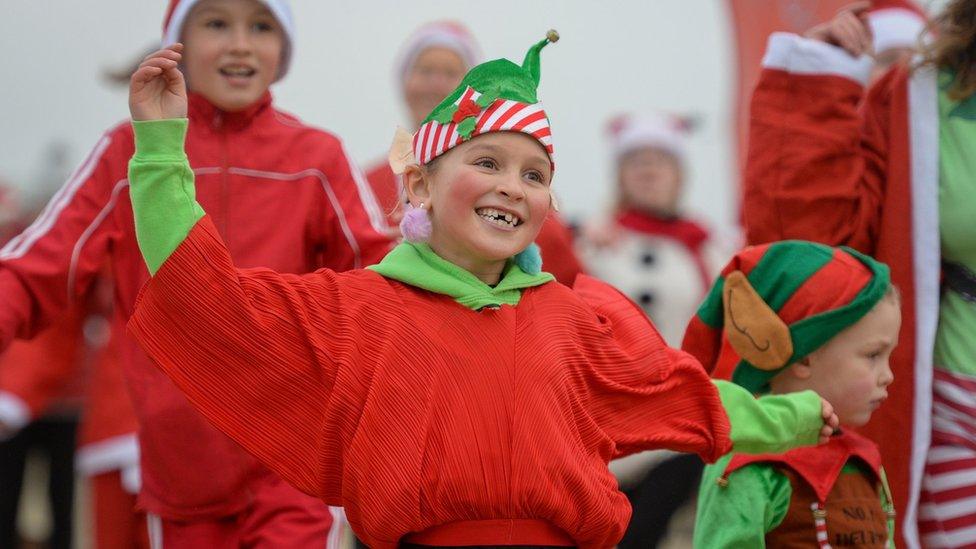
(451, 395)
(802, 316)
(284, 195)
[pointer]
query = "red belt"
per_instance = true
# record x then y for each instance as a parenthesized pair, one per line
(493, 532)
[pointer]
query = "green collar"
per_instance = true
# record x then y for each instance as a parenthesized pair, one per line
(418, 265)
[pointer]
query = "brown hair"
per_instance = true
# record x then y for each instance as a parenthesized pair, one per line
(954, 45)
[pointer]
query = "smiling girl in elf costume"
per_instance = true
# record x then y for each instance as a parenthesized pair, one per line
(452, 394)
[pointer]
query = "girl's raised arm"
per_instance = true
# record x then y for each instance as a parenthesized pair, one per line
(245, 346)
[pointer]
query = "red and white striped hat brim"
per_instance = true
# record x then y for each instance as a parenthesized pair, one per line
(503, 115)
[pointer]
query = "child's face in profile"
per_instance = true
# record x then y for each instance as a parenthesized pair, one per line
(232, 51)
(852, 370)
(488, 198)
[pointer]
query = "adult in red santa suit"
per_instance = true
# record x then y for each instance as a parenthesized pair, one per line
(428, 67)
(895, 181)
(287, 198)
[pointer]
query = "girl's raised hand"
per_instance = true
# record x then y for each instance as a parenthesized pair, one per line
(848, 29)
(157, 90)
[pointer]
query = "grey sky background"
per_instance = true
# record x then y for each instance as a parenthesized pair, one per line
(617, 56)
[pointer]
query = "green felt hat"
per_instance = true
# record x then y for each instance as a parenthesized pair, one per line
(494, 96)
(778, 302)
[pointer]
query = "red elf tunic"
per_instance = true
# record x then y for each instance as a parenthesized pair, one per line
(422, 416)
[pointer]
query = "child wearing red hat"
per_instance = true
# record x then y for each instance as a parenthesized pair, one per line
(283, 194)
(802, 316)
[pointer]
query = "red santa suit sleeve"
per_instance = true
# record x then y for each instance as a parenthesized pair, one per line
(816, 163)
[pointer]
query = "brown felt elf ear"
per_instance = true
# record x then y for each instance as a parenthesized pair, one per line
(755, 331)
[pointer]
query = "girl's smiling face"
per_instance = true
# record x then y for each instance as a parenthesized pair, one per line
(487, 200)
(232, 51)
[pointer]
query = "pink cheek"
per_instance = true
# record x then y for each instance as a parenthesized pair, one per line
(465, 190)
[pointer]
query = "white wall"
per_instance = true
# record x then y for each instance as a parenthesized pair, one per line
(613, 57)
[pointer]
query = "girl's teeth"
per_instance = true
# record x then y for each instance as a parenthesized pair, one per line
(498, 217)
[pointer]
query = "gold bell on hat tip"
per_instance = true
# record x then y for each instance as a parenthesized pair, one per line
(552, 35)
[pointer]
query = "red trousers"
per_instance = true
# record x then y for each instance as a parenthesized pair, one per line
(118, 525)
(280, 517)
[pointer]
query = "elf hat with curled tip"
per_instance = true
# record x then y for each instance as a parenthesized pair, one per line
(495, 96)
(778, 302)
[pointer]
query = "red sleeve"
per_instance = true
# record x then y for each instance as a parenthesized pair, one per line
(385, 186)
(355, 227)
(242, 346)
(558, 253)
(816, 166)
(644, 394)
(40, 370)
(51, 263)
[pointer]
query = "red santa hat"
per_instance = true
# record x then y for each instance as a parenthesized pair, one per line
(660, 130)
(445, 34)
(895, 24)
(178, 10)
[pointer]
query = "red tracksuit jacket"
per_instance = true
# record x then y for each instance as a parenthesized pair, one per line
(283, 195)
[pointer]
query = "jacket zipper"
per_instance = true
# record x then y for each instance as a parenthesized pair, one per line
(224, 198)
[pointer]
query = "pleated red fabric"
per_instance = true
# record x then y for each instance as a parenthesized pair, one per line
(412, 411)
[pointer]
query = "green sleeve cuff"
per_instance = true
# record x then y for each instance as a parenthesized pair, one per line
(160, 140)
(161, 188)
(772, 423)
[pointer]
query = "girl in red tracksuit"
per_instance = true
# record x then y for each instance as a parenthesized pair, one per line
(283, 195)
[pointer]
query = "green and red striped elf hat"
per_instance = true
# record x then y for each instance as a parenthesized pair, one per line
(494, 96)
(776, 303)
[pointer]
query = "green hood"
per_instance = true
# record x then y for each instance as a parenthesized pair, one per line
(418, 265)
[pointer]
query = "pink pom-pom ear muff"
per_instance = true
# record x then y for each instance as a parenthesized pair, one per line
(415, 225)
